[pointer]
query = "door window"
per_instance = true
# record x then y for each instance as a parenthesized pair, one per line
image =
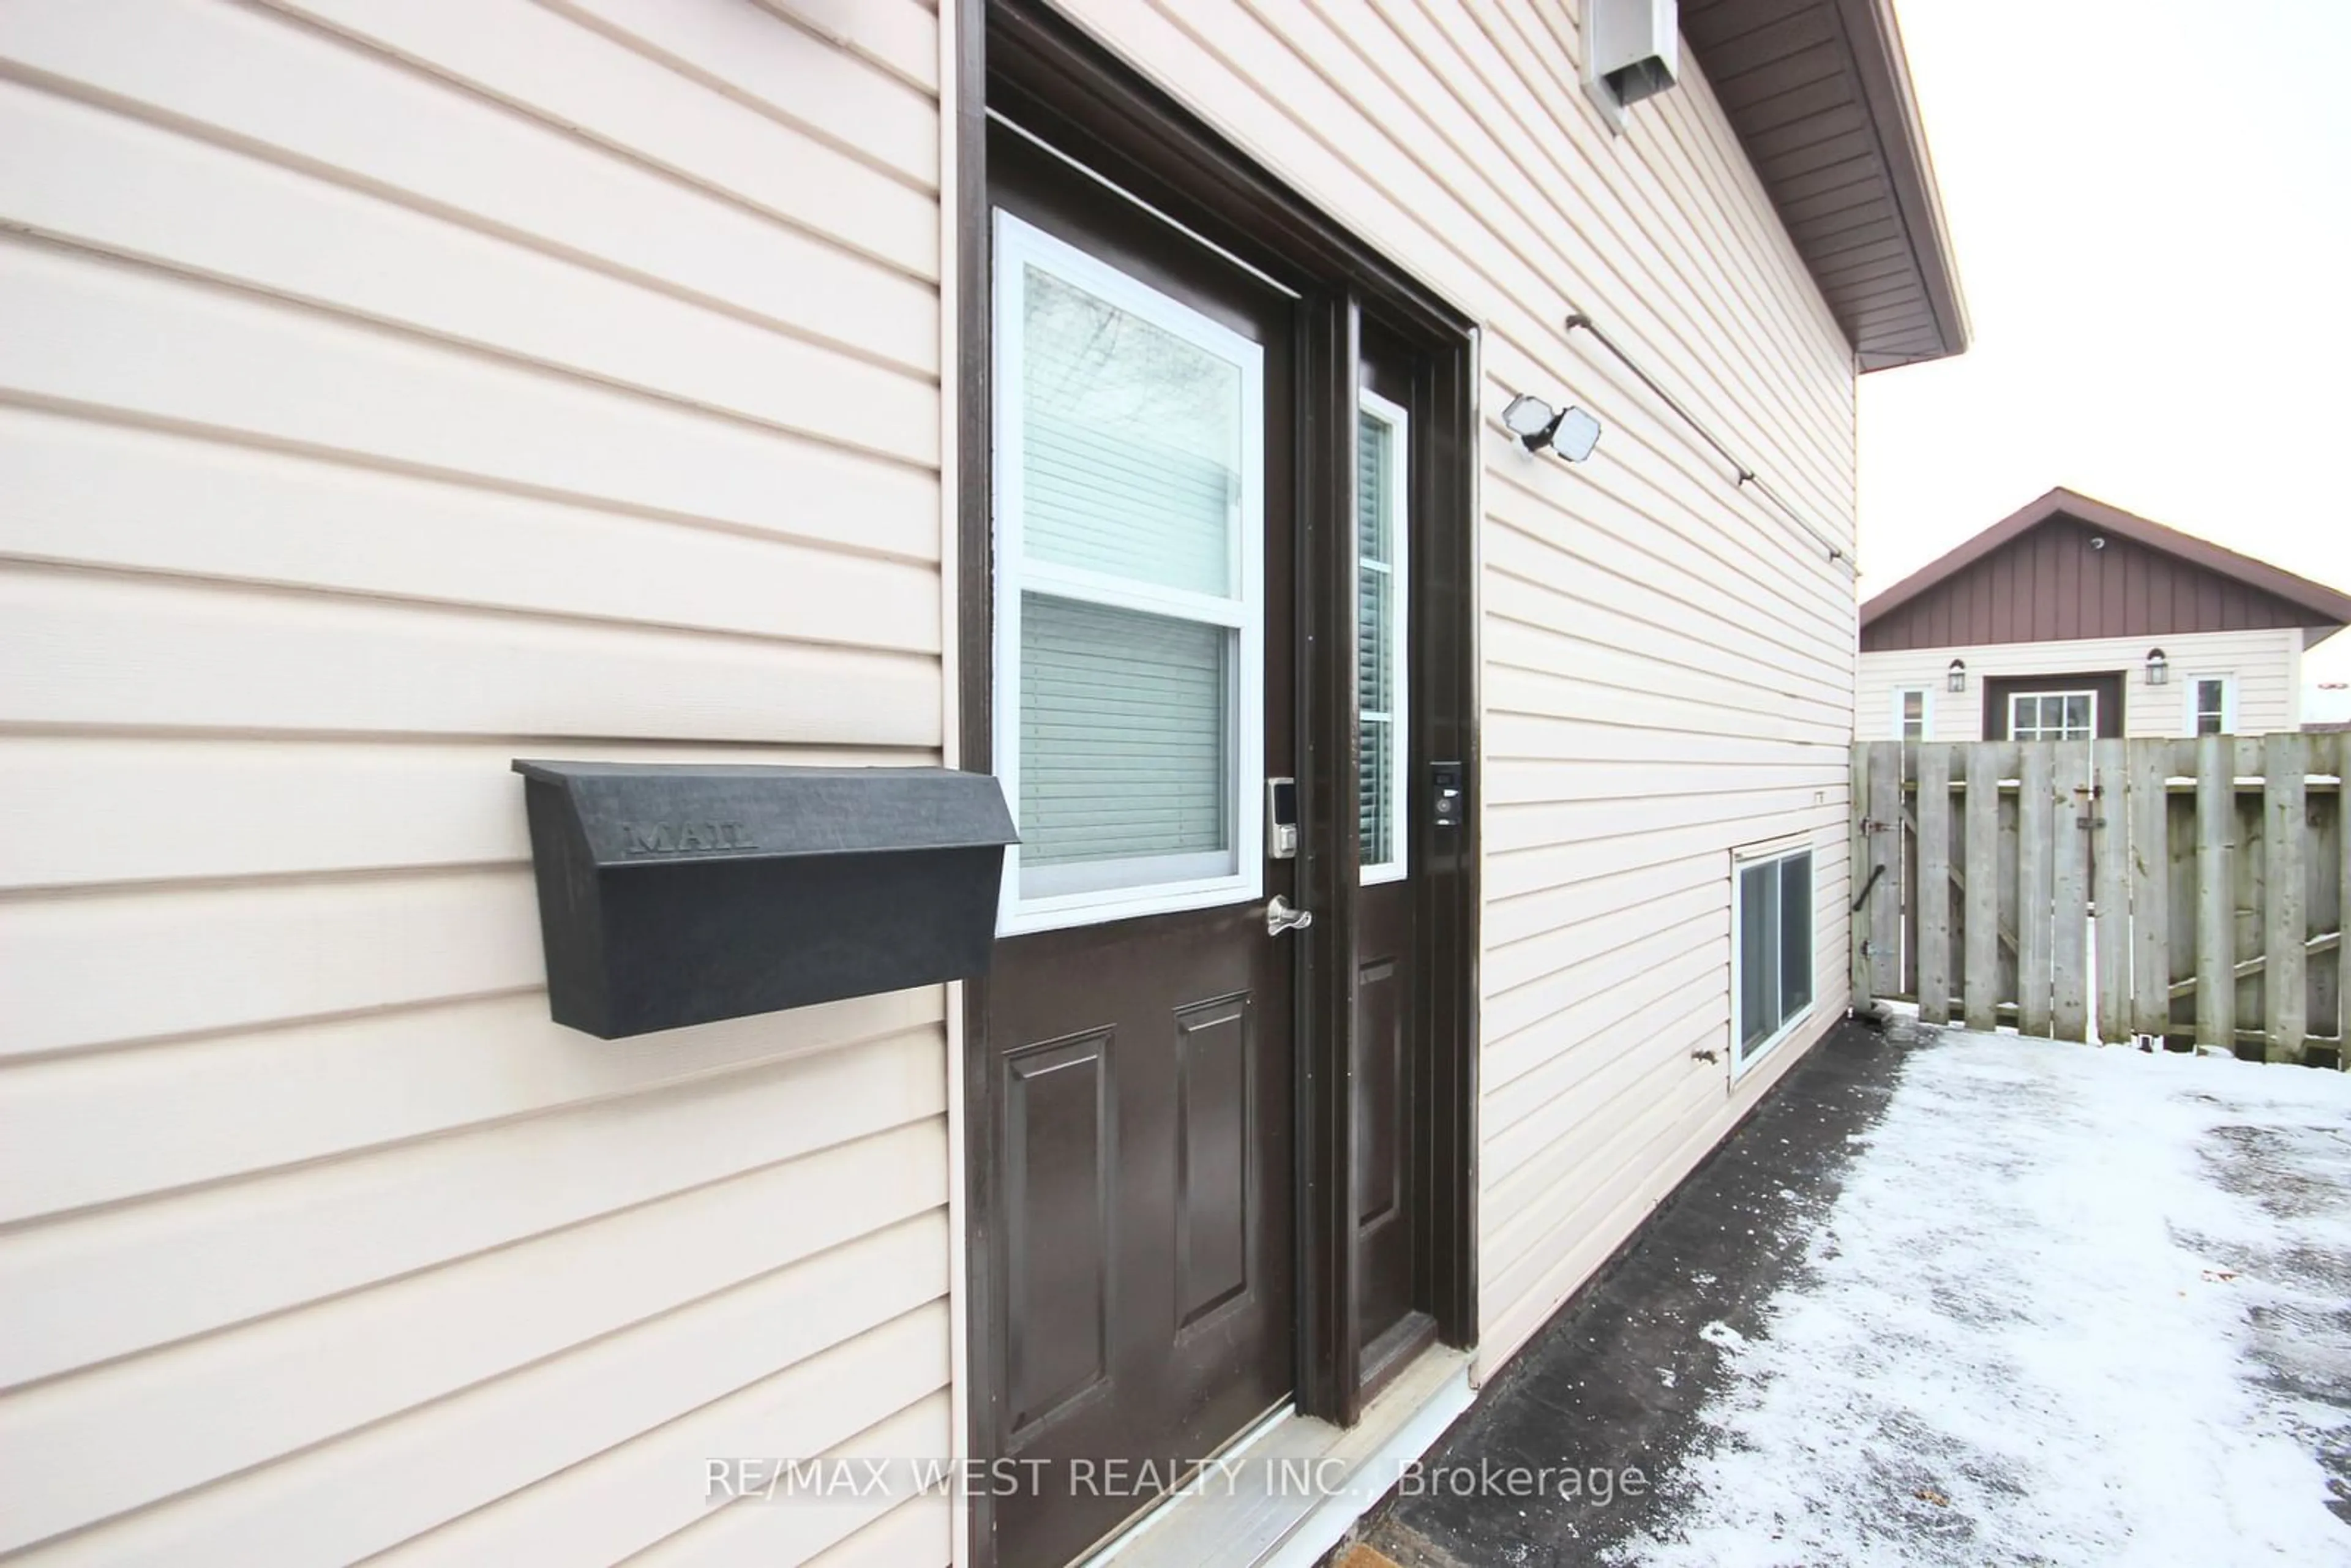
(2052, 716)
(1129, 479)
(1381, 586)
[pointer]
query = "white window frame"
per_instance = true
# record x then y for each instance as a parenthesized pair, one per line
(1198, 885)
(2228, 701)
(1742, 1057)
(1399, 718)
(2015, 697)
(1926, 712)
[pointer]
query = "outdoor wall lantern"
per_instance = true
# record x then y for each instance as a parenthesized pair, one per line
(2158, 668)
(1570, 432)
(1957, 678)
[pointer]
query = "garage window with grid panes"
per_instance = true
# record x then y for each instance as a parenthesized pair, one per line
(2052, 716)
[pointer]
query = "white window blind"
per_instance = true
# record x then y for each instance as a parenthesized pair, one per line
(1381, 586)
(1129, 626)
(1122, 730)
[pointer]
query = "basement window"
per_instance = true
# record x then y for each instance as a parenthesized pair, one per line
(1771, 952)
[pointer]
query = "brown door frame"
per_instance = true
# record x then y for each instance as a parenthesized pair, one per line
(1028, 62)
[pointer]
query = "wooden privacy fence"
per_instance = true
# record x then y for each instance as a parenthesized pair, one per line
(2187, 889)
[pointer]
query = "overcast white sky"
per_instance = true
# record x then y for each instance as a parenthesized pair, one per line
(2151, 203)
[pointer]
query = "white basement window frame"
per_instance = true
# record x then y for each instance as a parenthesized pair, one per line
(1914, 713)
(1786, 981)
(2200, 706)
(1387, 863)
(1042, 898)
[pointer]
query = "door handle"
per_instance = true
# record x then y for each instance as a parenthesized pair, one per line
(1280, 917)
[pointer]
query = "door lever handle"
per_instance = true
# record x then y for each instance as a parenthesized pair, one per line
(1281, 917)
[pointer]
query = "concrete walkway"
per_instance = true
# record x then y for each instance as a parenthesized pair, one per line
(1947, 1299)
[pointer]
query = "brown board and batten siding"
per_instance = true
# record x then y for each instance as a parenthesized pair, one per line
(389, 391)
(2068, 579)
(1667, 671)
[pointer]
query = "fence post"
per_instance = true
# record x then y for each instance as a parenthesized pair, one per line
(2285, 804)
(2034, 892)
(1933, 900)
(2069, 889)
(2150, 886)
(2216, 885)
(1980, 973)
(2343, 902)
(1857, 871)
(1886, 851)
(2110, 858)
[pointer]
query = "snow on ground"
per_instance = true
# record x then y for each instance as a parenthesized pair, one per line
(2072, 1305)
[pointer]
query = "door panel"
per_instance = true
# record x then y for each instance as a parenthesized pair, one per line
(1216, 1112)
(1057, 1099)
(1141, 1052)
(1379, 1094)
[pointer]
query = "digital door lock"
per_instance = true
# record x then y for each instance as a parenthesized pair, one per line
(1282, 819)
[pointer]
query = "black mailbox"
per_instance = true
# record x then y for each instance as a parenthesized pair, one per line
(672, 894)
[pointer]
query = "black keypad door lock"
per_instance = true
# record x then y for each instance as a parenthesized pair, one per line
(1448, 799)
(1282, 819)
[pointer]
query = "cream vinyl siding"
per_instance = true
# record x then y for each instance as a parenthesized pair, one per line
(390, 390)
(1668, 670)
(2266, 666)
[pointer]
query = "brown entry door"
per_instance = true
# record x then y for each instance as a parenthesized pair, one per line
(1139, 1009)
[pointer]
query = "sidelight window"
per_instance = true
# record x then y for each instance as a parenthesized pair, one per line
(1129, 601)
(1381, 589)
(1772, 949)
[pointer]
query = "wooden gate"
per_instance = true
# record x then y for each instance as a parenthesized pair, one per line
(2192, 890)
